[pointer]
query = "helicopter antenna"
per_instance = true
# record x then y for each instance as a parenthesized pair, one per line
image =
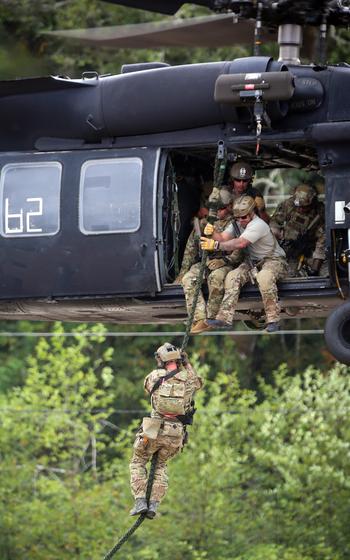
(290, 39)
(323, 36)
(257, 30)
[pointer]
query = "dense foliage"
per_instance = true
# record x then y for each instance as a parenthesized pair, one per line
(266, 473)
(259, 479)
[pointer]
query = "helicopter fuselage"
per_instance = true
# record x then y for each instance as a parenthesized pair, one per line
(86, 231)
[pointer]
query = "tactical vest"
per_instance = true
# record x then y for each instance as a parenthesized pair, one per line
(297, 223)
(171, 397)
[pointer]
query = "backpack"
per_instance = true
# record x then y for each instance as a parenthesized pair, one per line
(168, 394)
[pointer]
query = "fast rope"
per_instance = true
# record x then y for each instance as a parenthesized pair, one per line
(142, 517)
(175, 213)
(219, 171)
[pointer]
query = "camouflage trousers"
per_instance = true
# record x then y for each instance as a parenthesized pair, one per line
(215, 281)
(269, 271)
(144, 448)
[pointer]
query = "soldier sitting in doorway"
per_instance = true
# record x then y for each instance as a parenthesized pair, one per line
(299, 225)
(219, 264)
(171, 387)
(265, 262)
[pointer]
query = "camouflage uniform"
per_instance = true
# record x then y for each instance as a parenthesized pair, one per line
(294, 223)
(266, 256)
(270, 270)
(219, 264)
(169, 440)
(192, 253)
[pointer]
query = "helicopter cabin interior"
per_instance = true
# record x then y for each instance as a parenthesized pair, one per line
(279, 167)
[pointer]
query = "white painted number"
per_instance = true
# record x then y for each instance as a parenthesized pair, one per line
(19, 217)
(39, 212)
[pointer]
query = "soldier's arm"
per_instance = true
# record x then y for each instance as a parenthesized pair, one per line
(260, 204)
(221, 236)
(194, 375)
(277, 221)
(150, 380)
(232, 244)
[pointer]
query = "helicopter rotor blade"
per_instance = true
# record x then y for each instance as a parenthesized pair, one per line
(208, 31)
(169, 7)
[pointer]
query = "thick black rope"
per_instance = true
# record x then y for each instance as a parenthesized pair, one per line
(141, 517)
(219, 170)
(195, 299)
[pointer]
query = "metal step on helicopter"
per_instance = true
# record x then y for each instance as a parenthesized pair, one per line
(99, 175)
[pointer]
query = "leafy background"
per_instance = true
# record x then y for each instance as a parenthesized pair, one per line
(265, 475)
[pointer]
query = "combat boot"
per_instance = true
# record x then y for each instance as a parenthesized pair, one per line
(272, 327)
(218, 324)
(152, 509)
(199, 326)
(140, 506)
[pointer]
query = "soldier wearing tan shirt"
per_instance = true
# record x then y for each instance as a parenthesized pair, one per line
(266, 255)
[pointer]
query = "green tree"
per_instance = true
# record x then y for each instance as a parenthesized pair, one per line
(52, 442)
(260, 481)
(257, 480)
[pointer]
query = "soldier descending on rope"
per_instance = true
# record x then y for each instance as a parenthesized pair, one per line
(218, 264)
(172, 387)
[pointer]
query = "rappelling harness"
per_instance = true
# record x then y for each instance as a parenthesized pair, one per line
(219, 171)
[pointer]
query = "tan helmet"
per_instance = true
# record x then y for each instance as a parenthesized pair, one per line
(167, 353)
(303, 195)
(241, 170)
(243, 205)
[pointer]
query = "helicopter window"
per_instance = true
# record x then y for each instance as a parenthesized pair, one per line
(110, 196)
(30, 199)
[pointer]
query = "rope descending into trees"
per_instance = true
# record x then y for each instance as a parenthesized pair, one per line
(219, 171)
(142, 517)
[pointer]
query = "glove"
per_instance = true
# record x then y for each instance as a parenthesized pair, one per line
(214, 264)
(209, 244)
(209, 229)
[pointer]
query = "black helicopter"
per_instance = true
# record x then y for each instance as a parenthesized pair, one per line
(99, 175)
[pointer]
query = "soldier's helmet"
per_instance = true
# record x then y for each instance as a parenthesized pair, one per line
(241, 171)
(303, 195)
(167, 353)
(243, 205)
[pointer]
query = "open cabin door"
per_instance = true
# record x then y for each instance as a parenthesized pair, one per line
(79, 223)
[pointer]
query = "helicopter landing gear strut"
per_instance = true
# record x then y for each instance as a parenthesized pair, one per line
(337, 333)
(337, 327)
